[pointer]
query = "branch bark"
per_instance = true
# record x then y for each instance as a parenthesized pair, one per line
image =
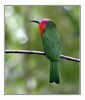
(40, 53)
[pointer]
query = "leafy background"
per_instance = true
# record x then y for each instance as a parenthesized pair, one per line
(29, 74)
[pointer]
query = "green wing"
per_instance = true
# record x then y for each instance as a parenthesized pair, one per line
(51, 44)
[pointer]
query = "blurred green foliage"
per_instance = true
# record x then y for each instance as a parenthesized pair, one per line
(29, 74)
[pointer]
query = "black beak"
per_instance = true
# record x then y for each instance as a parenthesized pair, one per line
(38, 22)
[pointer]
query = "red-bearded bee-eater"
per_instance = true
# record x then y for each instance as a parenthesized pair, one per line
(51, 43)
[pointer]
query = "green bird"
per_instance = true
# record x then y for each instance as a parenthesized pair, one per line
(51, 44)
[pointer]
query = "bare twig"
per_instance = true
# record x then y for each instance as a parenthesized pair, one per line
(40, 53)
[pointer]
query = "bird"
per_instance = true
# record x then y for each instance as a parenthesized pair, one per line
(51, 44)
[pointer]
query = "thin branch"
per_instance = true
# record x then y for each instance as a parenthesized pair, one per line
(40, 53)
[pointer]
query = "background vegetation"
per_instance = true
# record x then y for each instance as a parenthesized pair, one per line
(29, 74)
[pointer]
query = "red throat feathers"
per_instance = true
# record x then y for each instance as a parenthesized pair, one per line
(42, 26)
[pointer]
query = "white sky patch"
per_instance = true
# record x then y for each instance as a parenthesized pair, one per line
(15, 25)
(21, 35)
(31, 83)
(67, 7)
(9, 10)
(12, 23)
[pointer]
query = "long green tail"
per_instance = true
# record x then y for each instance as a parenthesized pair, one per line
(54, 76)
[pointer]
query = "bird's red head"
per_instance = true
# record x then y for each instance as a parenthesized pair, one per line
(42, 25)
